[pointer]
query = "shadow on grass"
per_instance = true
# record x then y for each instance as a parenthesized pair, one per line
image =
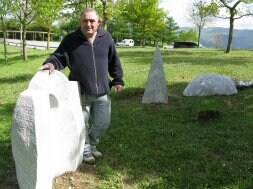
(16, 79)
(7, 165)
(10, 60)
(205, 61)
(178, 56)
(201, 57)
(128, 93)
(140, 57)
(152, 144)
(37, 56)
(161, 147)
(6, 109)
(8, 178)
(14, 58)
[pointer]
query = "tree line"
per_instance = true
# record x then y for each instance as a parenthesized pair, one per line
(142, 20)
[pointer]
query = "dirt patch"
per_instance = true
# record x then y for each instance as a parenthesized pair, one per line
(83, 178)
(208, 115)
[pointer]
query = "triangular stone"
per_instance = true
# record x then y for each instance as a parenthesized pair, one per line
(156, 88)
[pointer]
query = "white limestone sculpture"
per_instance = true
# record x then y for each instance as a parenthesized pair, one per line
(156, 88)
(210, 84)
(48, 131)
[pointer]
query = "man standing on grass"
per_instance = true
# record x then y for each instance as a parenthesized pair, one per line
(90, 54)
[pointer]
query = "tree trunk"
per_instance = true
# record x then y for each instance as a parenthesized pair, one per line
(24, 52)
(4, 37)
(143, 40)
(199, 35)
(104, 23)
(5, 47)
(48, 39)
(230, 35)
(92, 3)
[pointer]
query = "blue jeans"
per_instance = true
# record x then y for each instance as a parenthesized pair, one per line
(99, 109)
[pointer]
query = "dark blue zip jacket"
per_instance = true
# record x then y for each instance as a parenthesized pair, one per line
(89, 63)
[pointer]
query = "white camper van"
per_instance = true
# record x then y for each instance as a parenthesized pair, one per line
(126, 42)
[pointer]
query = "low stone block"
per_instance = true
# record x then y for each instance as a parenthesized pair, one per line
(48, 130)
(210, 84)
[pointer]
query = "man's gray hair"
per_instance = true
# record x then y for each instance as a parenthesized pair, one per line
(89, 10)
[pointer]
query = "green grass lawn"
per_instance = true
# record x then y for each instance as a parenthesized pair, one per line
(158, 146)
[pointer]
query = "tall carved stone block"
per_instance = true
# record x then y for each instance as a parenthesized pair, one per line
(48, 130)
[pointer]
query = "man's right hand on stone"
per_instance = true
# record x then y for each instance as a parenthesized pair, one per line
(47, 66)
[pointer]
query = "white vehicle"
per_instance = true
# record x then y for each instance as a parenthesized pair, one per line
(168, 46)
(126, 42)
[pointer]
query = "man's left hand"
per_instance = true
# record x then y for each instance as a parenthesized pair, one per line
(118, 88)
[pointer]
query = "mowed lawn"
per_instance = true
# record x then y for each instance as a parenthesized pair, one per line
(157, 146)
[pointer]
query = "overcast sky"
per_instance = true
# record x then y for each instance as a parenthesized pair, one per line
(177, 10)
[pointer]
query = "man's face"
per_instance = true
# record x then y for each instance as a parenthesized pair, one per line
(89, 23)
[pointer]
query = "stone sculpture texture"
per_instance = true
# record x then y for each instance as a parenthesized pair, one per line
(48, 131)
(210, 84)
(156, 88)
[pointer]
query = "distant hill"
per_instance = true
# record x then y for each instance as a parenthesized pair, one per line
(217, 37)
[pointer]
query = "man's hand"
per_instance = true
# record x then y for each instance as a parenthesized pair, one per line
(118, 88)
(47, 66)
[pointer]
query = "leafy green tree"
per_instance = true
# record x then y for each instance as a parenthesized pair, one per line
(190, 35)
(25, 11)
(120, 28)
(202, 13)
(77, 6)
(152, 38)
(48, 15)
(146, 27)
(11, 23)
(67, 26)
(169, 34)
(70, 14)
(145, 17)
(119, 25)
(106, 11)
(4, 11)
(235, 9)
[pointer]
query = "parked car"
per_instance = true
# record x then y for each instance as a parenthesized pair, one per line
(126, 42)
(168, 46)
